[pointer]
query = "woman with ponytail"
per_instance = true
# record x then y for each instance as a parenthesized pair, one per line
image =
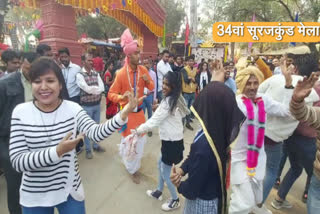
(168, 117)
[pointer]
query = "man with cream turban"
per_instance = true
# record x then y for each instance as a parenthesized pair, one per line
(248, 158)
(132, 77)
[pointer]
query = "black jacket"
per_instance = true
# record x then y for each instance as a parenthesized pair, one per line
(11, 94)
(203, 174)
(198, 78)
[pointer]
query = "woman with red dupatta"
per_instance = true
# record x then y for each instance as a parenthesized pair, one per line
(112, 108)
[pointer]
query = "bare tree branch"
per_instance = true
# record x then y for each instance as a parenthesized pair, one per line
(287, 9)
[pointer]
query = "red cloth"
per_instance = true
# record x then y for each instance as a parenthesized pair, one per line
(107, 74)
(112, 108)
(186, 41)
(4, 46)
(98, 64)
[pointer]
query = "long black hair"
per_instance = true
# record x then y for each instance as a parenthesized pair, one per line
(44, 65)
(201, 67)
(174, 81)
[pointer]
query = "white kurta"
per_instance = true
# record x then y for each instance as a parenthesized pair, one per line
(239, 151)
(241, 183)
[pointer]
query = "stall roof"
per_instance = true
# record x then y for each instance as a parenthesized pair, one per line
(300, 50)
(98, 43)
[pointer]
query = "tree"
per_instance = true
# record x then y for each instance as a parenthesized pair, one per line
(3, 11)
(23, 19)
(175, 15)
(99, 26)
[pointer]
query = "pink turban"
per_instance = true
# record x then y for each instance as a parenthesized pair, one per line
(127, 43)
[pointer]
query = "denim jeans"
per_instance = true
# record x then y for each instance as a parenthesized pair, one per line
(274, 152)
(71, 206)
(313, 203)
(147, 104)
(13, 178)
(283, 161)
(164, 176)
(94, 113)
(301, 152)
(189, 97)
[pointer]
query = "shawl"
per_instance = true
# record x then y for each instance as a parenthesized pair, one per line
(220, 118)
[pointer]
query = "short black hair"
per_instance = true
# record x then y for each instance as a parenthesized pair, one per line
(9, 55)
(42, 48)
(64, 50)
(42, 66)
(165, 52)
(171, 55)
(306, 64)
(176, 57)
(30, 56)
(189, 58)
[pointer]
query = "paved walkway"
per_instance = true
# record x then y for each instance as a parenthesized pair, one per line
(109, 189)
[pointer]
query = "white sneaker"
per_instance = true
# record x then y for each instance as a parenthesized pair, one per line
(156, 194)
(171, 205)
(262, 210)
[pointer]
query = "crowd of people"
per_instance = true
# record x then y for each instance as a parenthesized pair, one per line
(252, 116)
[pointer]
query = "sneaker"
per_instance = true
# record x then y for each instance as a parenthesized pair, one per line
(155, 194)
(280, 204)
(150, 134)
(99, 149)
(305, 197)
(89, 155)
(188, 126)
(261, 210)
(277, 184)
(171, 205)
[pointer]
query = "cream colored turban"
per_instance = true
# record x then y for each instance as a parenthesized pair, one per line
(244, 75)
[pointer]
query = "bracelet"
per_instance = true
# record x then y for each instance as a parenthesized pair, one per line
(289, 87)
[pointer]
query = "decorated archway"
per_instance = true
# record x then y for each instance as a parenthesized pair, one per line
(145, 18)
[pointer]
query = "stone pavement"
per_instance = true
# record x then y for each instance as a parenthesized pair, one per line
(109, 189)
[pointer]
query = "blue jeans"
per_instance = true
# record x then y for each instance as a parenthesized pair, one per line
(301, 152)
(164, 176)
(189, 97)
(283, 161)
(147, 104)
(94, 113)
(71, 206)
(274, 153)
(313, 203)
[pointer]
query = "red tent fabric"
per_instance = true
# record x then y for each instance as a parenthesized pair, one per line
(4, 47)
(187, 34)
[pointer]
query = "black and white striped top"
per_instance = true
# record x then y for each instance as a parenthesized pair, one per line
(48, 179)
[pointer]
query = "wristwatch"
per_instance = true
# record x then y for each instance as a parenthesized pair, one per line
(289, 87)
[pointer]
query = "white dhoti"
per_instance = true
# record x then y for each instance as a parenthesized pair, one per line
(246, 192)
(134, 164)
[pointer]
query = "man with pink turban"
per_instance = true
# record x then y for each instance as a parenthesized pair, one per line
(132, 77)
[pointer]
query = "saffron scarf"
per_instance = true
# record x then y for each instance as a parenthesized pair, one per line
(254, 146)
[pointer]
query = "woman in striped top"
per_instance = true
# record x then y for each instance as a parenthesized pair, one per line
(42, 142)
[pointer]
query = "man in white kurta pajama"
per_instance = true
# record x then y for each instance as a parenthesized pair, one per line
(247, 187)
